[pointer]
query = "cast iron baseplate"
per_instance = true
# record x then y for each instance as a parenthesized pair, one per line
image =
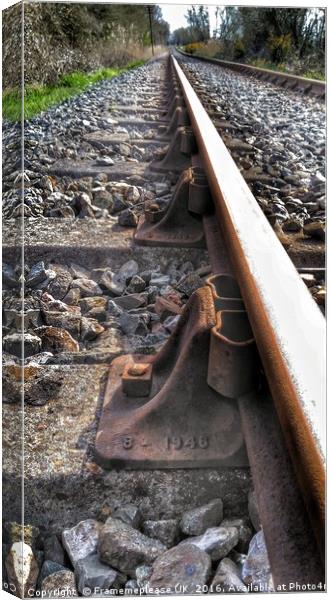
(177, 227)
(177, 153)
(183, 422)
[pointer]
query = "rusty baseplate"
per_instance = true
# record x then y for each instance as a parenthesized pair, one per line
(160, 412)
(172, 103)
(177, 157)
(180, 118)
(180, 224)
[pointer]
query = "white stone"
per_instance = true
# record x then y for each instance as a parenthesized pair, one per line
(22, 569)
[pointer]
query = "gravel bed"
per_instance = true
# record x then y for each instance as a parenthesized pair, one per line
(73, 309)
(277, 139)
(59, 134)
(120, 552)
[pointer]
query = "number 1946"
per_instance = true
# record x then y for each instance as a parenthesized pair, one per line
(178, 442)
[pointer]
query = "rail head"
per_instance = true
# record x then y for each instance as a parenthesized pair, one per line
(288, 326)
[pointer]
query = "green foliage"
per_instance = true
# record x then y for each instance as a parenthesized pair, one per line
(198, 29)
(295, 35)
(214, 49)
(239, 49)
(181, 36)
(262, 63)
(211, 49)
(62, 37)
(314, 75)
(279, 46)
(38, 98)
(198, 23)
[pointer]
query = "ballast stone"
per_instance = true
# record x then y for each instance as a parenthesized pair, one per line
(143, 574)
(77, 271)
(14, 532)
(53, 550)
(197, 520)
(124, 548)
(137, 285)
(13, 344)
(9, 277)
(132, 585)
(164, 530)
(92, 302)
(90, 329)
(93, 576)
(216, 541)
(105, 161)
(127, 218)
(131, 301)
(188, 284)
(227, 579)
(130, 514)
(256, 569)
(245, 532)
(87, 287)
(184, 565)
(55, 339)
(60, 584)
(129, 323)
(48, 568)
(127, 271)
(315, 230)
(81, 540)
(37, 274)
(59, 287)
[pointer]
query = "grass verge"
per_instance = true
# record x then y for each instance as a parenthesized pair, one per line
(38, 98)
(264, 64)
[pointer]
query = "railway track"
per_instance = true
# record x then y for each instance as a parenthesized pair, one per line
(312, 87)
(161, 357)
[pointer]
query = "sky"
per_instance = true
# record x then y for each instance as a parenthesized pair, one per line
(174, 14)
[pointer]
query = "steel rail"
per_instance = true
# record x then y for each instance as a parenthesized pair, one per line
(282, 510)
(310, 86)
(288, 326)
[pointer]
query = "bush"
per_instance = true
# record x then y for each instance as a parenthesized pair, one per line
(194, 48)
(212, 49)
(239, 49)
(62, 38)
(279, 46)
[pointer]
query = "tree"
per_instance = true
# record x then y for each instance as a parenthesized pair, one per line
(198, 23)
(229, 23)
(181, 36)
(161, 30)
(273, 33)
